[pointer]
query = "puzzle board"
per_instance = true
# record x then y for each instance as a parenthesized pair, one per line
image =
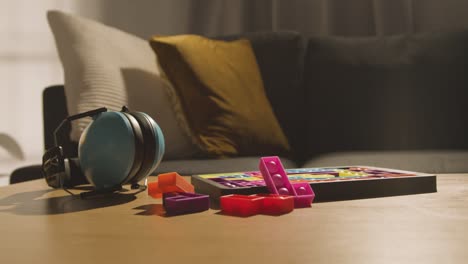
(328, 183)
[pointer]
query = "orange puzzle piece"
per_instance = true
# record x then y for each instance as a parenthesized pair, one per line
(169, 182)
(153, 190)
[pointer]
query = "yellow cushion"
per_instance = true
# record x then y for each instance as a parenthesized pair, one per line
(222, 95)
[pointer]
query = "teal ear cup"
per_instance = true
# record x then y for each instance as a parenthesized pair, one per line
(119, 148)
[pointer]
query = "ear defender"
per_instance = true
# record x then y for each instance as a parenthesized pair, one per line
(117, 148)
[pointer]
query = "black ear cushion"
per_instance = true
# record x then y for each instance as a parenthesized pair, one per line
(149, 150)
(139, 147)
(59, 171)
(74, 175)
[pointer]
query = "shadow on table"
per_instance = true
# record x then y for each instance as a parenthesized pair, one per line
(151, 209)
(31, 203)
(158, 209)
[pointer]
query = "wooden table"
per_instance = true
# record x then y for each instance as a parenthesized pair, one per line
(41, 225)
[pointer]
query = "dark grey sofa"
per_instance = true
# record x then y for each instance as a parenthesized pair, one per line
(397, 101)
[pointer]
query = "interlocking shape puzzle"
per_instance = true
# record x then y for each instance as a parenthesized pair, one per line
(328, 183)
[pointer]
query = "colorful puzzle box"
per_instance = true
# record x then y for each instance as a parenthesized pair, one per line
(328, 183)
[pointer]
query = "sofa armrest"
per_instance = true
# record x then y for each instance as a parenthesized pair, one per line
(54, 109)
(26, 173)
(54, 112)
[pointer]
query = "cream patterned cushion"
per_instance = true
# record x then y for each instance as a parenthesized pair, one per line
(104, 66)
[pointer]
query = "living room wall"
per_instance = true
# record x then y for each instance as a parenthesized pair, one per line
(325, 17)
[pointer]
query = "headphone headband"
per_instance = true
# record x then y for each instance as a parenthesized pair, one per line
(75, 117)
(54, 169)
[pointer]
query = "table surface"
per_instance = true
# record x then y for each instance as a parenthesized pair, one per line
(41, 225)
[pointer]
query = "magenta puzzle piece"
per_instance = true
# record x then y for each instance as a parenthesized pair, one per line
(305, 195)
(277, 181)
(275, 177)
(176, 203)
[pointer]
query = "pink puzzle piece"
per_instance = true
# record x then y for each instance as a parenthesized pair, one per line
(275, 177)
(304, 195)
(277, 181)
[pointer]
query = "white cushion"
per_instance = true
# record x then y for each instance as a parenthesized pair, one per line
(104, 66)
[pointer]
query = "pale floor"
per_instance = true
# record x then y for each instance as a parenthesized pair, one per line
(4, 180)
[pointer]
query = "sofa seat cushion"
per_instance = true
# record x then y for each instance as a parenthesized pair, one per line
(440, 161)
(203, 166)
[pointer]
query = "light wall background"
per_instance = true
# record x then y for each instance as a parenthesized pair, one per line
(29, 61)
